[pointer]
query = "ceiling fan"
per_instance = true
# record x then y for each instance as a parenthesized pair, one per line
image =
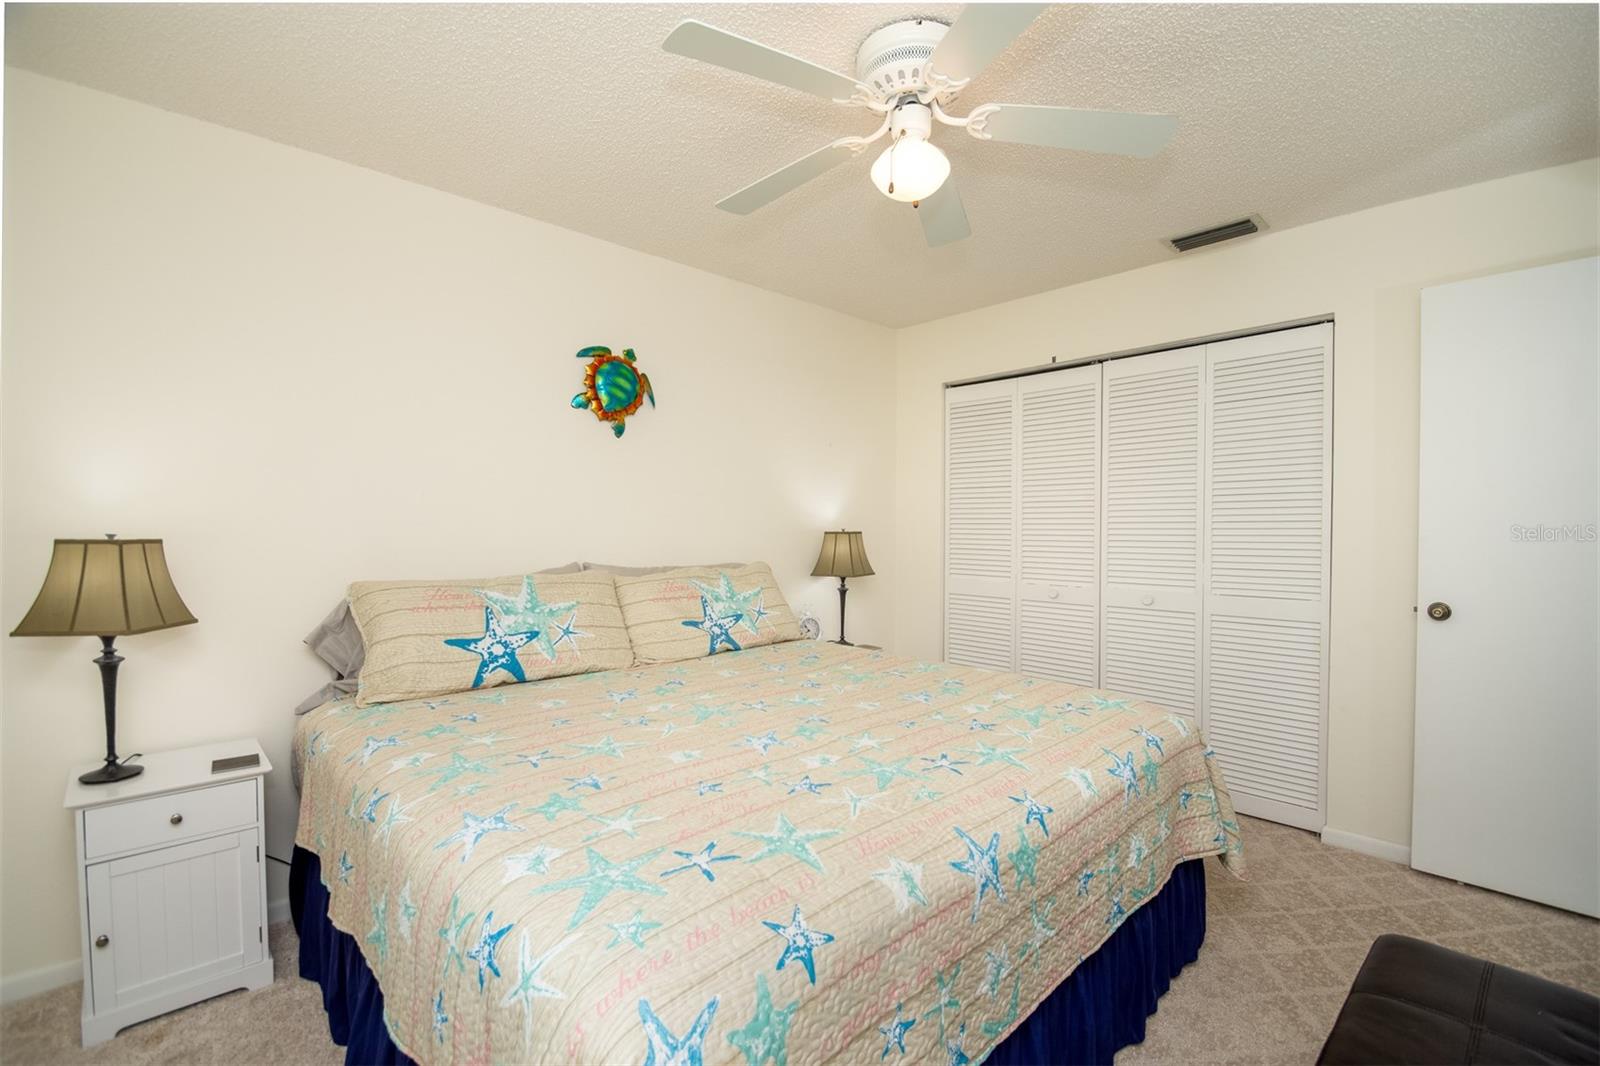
(909, 72)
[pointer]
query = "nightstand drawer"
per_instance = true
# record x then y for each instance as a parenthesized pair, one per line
(169, 819)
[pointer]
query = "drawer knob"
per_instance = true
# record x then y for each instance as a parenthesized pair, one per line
(176, 819)
(101, 941)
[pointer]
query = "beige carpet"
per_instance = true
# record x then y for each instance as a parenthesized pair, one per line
(1280, 954)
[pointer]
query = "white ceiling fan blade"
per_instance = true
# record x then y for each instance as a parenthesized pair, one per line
(1119, 132)
(721, 48)
(944, 219)
(765, 190)
(980, 33)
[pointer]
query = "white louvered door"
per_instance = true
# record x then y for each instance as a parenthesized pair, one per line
(1269, 431)
(980, 599)
(1159, 525)
(1058, 585)
(1151, 528)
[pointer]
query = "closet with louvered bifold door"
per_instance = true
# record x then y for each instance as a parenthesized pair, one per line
(1022, 488)
(980, 541)
(1154, 473)
(1158, 525)
(1058, 535)
(1269, 438)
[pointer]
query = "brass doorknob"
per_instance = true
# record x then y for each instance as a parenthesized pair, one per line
(101, 941)
(176, 819)
(1438, 611)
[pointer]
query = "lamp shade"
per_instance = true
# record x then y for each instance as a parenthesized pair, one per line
(105, 588)
(842, 555)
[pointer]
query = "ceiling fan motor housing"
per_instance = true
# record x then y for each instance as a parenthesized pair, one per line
(911, 119)
(894, 60)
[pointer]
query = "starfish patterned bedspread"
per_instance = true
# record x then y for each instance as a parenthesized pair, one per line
(792, 853)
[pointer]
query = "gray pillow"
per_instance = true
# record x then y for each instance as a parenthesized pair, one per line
(646, 571)
(345, 686)
(337, 642)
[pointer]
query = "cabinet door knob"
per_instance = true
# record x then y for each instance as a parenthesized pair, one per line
(176, 819)
(101, 941)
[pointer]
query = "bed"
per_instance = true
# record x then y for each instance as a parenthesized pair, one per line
(798, 852)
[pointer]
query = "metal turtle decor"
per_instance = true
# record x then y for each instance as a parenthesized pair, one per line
(613, 387)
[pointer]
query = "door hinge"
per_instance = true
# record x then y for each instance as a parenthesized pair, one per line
(259, 938)
(258, 854)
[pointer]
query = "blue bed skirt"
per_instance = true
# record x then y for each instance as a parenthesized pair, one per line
(1100, 1008)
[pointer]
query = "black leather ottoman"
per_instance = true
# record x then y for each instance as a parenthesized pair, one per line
(1415, 1002)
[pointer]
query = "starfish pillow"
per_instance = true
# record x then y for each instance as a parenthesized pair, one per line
(695, 611)
(431, 638)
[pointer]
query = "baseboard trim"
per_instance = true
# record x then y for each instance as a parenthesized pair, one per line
(1381, 849)
(45, 978)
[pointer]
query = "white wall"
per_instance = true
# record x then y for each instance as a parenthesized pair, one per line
(299, 373)
(1366, 270)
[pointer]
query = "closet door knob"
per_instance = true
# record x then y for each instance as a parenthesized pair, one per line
(1439, 611)
(101, 941)
(176, 819)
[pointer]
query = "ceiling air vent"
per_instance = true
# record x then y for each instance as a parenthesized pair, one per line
(1217, 234)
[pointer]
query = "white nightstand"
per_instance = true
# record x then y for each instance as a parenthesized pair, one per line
(171, 885)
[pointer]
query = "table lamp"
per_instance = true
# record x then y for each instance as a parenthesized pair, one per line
(106, 588)
(843, 555)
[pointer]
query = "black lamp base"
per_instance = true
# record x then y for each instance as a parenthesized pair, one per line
(111, 771)
(841, 640)
(115, 769)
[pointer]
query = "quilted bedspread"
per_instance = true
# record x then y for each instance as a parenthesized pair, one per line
(793, 853)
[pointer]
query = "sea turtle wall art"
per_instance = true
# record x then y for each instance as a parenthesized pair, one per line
(613, 387)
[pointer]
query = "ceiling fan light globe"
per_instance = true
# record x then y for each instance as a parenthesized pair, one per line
(909, 170)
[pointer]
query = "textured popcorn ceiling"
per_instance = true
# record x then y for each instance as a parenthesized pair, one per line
(573, 114)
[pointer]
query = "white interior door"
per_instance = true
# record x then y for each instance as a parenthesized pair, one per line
(1058, 586)
(980, 550)
(1506, 722)
(1268, 437)
(1150, 593)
